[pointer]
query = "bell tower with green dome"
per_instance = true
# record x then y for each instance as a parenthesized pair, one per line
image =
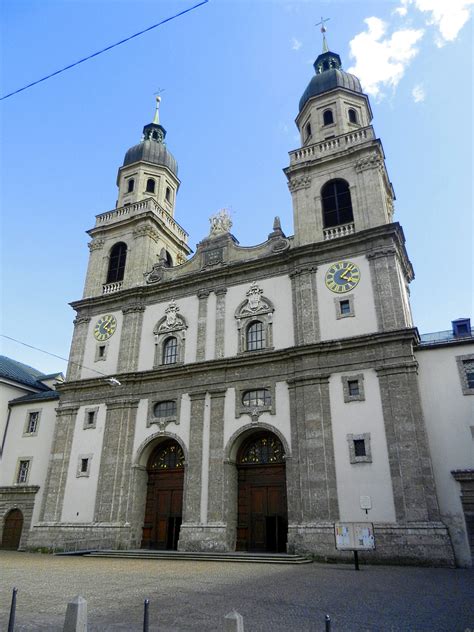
(337, 178)
(141, 231)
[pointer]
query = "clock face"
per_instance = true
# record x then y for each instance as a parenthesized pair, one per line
(342, 277)
(105, 327)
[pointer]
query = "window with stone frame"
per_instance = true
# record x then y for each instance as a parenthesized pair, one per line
(170, 336)
(164, 411)
(352, 114)
(465, 364)
(32, 423)
(101, 351)
(166, 408)
(84, 465)
(90, 417)
(328, 117)
(254, 318)
(253, 400)
(23, 470)
(117, 259)
(353, 388)
(150, 185)
(344, 306)
(359, 448)
(336, 203)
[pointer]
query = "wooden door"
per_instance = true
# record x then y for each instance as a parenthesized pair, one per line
(262, 523)
(163, 512)
(12, 529)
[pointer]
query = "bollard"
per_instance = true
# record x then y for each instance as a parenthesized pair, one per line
(76, 615)
(146, 615)
(233, 622)
(327, 620)
(11, 619)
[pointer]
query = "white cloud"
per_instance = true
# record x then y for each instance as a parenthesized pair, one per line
(448, 15)
(295, 44)
(380, 59)
(418, 93)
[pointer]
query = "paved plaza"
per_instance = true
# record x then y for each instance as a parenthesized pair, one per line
(196, 595)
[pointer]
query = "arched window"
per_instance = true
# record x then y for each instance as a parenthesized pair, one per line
(168, 194)
(168, 260)
(255, 336)
(263, 449)
(150, 185)
(170, 351)
(307, 131)
(118, 256)
(352, 115)
(336, 202)
(131, 185)
(326, 65)
(165, 409)
(168, 455)
(328, 118)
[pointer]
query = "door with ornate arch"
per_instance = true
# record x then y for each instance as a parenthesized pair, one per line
(12, 528)
(164, 501)
(262, 523)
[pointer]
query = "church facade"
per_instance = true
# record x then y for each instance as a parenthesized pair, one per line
(247, 398)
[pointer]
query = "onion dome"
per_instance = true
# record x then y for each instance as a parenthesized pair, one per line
(152, 148)
(329, 75)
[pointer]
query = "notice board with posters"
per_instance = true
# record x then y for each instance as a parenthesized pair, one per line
(354, 536)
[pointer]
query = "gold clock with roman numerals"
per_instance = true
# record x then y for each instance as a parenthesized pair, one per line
(342, 277)
(105, 327)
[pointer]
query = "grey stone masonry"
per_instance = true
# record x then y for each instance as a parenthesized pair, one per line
(58, 464)
(220, 320)
(78, 345)
(312, 496)
(130, 337)
(192, 504)
(386, 290)
(202, 324)
(20, 497)
(305, 305)
(114, 498)
(215, 511)
(408, 451)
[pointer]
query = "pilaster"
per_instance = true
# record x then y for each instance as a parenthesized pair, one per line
(114, 498)
(220, 293)
(215, 511)
(203, 295)
(58, 464)
(312, 492)
(305, 305)
(192, 503)
(130, 337)
(408, 451)
(78, 345)
(386, 290)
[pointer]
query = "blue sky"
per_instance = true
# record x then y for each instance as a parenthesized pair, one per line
(233, 73)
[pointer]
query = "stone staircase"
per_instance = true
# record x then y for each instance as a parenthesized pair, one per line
(253, 558)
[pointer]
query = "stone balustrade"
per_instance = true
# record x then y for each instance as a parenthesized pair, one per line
(149, 204)
(332, 144)
(338, 231)
(110, 288)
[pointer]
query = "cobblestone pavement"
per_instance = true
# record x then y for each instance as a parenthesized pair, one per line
(196, 595)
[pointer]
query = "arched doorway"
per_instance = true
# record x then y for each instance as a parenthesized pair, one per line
(164, 500)
(262, 522)
(12, 529)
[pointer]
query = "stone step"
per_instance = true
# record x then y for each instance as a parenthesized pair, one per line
(259, 558)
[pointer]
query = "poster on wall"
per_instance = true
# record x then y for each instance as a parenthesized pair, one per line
(354, 536)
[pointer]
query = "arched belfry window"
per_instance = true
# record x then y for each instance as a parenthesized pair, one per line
(328, 117)
(150, 185)
(130, 185)
(336, 203)
(352, 115)
(118, 257)
(168, 194)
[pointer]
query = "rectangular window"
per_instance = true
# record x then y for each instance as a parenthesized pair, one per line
(101, 351)
(84, 465)
(468, 366)
(465, 364)
(32, 424)
(353, 386)
(23, 469)
(345, 308)
(359, 447)
(90, 418)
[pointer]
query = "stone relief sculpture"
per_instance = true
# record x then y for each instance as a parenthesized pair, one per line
(221, 223)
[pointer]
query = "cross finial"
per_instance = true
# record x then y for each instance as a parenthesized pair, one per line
(323, 31)
(156, 118)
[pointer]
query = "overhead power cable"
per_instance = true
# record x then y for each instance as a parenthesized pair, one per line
(81, 366)
(127, 39)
